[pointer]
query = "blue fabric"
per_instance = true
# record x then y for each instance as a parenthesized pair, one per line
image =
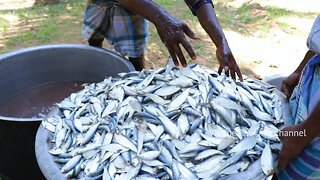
(302, 102)
(306, 94)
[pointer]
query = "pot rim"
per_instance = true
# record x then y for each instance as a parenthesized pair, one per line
(9, 118)
(58, 46)
(53, 46)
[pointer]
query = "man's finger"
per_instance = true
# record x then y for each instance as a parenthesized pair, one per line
(233, 74)
(173, 55)
(178, 52)
(283, 88)
(286, 92)
(288, 96)
(239, 74)
(227, 71)
(220, 69)
(188, 48)
(189, 32)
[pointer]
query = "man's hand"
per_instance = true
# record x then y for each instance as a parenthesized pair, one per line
(171, 30)
(289, 83)
(172, 33)
(227, 62)
(292, 146)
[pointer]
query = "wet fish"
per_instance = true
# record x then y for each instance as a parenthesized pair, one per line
(167, 123)
(267, 162)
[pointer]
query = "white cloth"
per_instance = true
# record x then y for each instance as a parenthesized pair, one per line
(313, 41)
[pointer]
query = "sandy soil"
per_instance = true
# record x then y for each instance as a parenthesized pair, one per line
(278, 52)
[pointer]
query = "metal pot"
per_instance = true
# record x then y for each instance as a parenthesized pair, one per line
(31, 67)
(52, 170)
(49, 168)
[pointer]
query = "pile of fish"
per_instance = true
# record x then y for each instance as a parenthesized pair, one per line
(167, 123)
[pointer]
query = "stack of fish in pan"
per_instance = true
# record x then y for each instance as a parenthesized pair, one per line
(166, 123)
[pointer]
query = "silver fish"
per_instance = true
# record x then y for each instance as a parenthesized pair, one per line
(167, 123)
(178, 101)
(71, 164)
(267, 162)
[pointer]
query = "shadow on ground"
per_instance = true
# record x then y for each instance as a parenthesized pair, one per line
(251, 17)
(61, 23)
(41, 24)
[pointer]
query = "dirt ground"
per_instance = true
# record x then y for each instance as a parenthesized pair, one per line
(277, 51)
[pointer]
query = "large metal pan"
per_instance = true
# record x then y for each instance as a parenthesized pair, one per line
(35, 66)
(51, 170)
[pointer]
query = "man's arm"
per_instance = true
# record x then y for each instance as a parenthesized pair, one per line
(292, 146)
(171, 30)
(205, 12)
(292, 80)
(303, 63)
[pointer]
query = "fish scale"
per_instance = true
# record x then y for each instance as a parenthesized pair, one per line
(165, 123)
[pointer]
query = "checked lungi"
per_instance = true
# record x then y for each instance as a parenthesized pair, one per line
(127, 32)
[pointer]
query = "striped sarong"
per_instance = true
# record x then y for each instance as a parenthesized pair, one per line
(127, 32)
(304, 99)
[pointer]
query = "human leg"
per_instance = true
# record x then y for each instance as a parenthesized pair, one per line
(96, 23)
(95, 42)
(128, 33)
(138, 62)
